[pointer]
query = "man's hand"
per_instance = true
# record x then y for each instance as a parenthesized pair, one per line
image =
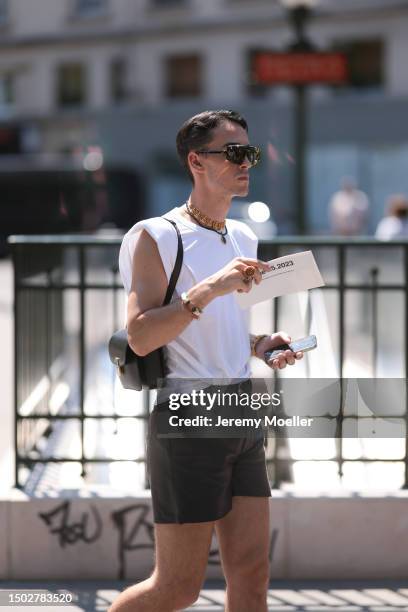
(232, 276)
(282, 360)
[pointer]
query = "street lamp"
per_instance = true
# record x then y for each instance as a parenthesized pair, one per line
(299, 12)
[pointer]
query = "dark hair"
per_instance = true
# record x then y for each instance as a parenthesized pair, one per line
(196, 132)
(397, 205)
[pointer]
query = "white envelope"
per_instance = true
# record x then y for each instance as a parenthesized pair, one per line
(290, 274)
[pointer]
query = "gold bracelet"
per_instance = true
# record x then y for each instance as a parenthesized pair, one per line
(195, 311)
(254, 342)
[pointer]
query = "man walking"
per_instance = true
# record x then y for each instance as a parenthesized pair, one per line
(199, 485)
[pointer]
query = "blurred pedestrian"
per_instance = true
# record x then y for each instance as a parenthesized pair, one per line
(348, 209)
(395, 222)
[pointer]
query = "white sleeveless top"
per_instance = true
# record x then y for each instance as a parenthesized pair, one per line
(216, 346)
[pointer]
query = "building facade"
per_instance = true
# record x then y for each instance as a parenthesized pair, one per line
(122, 75)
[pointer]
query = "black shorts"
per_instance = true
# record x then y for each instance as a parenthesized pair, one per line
(193, 479)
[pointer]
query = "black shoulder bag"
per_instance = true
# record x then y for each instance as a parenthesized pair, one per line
(135, 371)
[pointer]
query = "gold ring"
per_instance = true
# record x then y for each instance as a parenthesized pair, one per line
(249, 272)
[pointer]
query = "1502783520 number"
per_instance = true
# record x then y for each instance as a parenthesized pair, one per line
(35, 597)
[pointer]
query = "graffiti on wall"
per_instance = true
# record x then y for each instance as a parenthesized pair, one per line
(135, 531)
(130, 522)
(88, 528)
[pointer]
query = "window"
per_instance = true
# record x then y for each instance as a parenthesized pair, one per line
(71, 85)
(7, 96)
(6, 90)
(118, 79)
(90, 7)
(365, 62)
(4, 11)
(168, 3)
(183, 76)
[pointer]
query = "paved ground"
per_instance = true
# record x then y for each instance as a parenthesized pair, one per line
(306, 595)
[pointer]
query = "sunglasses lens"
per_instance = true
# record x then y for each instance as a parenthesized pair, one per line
(256, 155)
(250, 155)
(237, 153)
(253, 155)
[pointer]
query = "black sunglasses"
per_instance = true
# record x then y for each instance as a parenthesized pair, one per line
(236, 153)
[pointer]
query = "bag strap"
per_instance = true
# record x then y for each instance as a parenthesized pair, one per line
(177, 266)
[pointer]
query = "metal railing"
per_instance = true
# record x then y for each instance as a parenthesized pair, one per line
(68, 300)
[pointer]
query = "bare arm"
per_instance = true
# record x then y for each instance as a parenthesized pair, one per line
(151, 325)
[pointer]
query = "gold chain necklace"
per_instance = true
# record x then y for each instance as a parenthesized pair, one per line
(200, 216)
(206, 222)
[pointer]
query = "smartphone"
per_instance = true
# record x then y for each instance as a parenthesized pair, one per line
(303, 344)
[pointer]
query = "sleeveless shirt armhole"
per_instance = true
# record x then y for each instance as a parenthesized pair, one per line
(166, 239)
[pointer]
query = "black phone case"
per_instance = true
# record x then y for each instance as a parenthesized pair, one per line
(303, 344)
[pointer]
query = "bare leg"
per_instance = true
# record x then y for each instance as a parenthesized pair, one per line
(243, 537)
(181, 560)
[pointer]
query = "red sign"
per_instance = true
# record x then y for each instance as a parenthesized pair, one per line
(298, 68)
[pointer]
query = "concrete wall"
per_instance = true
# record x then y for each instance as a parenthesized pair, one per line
(349, 537)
